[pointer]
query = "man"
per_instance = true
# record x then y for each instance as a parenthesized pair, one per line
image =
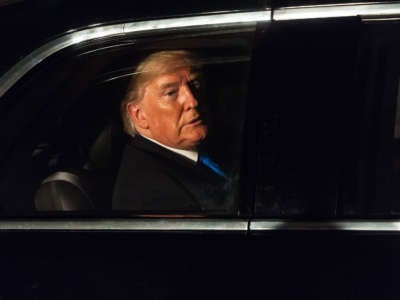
(161, 168)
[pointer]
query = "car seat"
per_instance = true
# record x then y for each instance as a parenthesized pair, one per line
(88, 188)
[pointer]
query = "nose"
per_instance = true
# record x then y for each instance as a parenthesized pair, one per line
(189, 100)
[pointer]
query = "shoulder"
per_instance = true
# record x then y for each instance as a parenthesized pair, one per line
(141, 151)
(147, 177)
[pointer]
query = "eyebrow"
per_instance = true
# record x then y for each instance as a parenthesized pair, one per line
(193, 77)
(169, 85)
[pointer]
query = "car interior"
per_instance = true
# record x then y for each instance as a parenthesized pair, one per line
(71, 138)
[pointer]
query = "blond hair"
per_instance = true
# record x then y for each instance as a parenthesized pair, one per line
(156, 64)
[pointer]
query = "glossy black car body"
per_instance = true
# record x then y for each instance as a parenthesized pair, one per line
(318, 213)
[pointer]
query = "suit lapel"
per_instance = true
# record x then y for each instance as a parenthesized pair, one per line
(161, 152)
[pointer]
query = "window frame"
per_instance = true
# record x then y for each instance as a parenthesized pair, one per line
(108, 34)
(372, 11)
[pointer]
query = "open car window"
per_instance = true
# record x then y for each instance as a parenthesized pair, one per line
(63, 137)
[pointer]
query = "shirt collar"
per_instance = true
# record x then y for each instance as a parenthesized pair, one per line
(190, 154)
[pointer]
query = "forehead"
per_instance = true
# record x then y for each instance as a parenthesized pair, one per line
(173, 77)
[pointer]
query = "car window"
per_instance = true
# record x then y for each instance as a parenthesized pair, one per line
(328, 126)
(63, 133)
(381, 174)
(309, 119)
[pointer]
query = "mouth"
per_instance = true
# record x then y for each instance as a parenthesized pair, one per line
(195, 122)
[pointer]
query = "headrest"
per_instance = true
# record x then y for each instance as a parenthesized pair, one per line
(106, 150)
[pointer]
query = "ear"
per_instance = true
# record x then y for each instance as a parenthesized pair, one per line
(135, 112)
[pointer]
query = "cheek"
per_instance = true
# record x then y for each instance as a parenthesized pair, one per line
(167, 119)
(173, 116)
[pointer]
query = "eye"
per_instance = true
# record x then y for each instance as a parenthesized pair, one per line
(171, 93)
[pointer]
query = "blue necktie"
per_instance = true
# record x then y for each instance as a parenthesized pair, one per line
(205, 160)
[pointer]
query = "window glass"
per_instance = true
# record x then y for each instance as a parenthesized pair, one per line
(382, 174)
(397, 120)
(64, 148)
(395, 206)
(328, 120)
(309, 116)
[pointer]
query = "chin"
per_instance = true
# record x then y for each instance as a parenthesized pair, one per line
(194, 138)
(193, 142)
(200, 135)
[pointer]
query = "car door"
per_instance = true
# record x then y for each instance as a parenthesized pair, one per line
(325, 222)
(58, 104)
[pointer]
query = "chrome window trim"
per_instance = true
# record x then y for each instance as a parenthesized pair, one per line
(134, 225)
(364, 10)
(239, 18)
(259, 225)
(193, 225)
(73, 38)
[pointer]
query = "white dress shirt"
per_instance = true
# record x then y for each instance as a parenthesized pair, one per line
(190, 154)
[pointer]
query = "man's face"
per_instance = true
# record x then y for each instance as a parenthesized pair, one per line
(171, 110)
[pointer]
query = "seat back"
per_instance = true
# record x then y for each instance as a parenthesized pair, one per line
(64, 191)
(91, 187)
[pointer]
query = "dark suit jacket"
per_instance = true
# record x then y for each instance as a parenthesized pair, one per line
(152, 178)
